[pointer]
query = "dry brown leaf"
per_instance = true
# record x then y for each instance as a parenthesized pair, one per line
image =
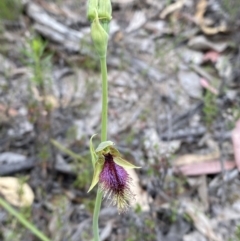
(214, 30)
(209, 167)
(10, 111)
(207, 86)
(199, 20)
(51, 101)
(48, 99)
(203, 191)
(212, 56)
(201, 221)
(194, 158)
(172, 8)
(200, 10)
(19, 195)
(51, 7)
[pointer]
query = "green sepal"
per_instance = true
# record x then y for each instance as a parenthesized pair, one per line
(92, 151)
(97, 170)
(103, 145)
(114, 151)
(123, 163)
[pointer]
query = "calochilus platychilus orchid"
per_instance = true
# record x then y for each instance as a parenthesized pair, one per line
(110, 172)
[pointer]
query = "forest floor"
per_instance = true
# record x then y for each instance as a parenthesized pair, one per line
(174, 110)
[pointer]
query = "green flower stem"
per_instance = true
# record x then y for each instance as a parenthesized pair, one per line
(103, 138)
(103, 62)
(97, 207)
(23, 221)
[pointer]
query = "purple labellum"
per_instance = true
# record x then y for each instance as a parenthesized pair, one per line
(114, 181)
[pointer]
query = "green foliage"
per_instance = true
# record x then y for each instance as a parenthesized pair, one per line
(138, 208)
(130, 137)
(234, 112)
(82, 179)
(150, 223)
(71, 134)
(236, 235)
(89, 204)
(89, 63)
(232, 7)
(44, 153)
(147, 233)
(73, 155)
(81, 165)
(14, 234)
(210, 108)
(10, 9)
(174, 212)
(39, 62)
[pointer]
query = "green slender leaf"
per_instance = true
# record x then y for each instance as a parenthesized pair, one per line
(68, 151)
(23, 220)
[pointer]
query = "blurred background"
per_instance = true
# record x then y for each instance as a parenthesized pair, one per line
(174, 110)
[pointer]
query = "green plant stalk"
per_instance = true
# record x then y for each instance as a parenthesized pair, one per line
(23, 221)
(104, 124)
(97, 207)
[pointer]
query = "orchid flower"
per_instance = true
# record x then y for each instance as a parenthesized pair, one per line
(110, 173)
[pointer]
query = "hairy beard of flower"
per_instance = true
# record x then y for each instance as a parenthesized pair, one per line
(115, 181)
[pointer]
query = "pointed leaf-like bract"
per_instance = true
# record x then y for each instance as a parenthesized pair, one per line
(92, 151)
(97, 170)
(104, 145)
(123, 163)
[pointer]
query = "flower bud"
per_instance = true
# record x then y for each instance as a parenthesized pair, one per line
(92, 7)
(99, 37)
(105, 9)
(99, 12)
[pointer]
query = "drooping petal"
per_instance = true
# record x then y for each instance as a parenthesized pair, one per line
(123, 163)
(92, 151)
(97, 170)
(115, 181)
